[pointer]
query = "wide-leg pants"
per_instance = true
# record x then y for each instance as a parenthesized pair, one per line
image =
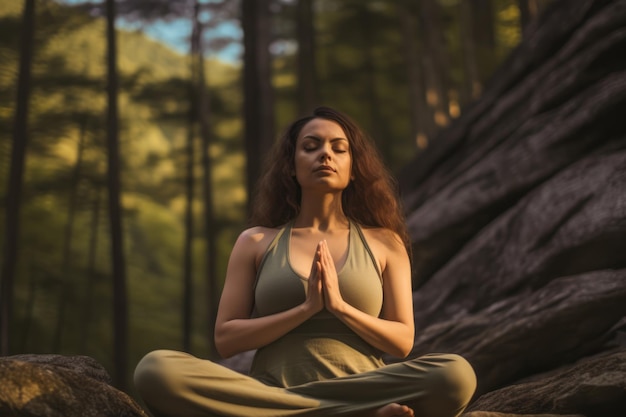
(176, 384)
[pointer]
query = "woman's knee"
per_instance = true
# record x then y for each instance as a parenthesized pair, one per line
(450, 384)
(155, 374)
(458, 379)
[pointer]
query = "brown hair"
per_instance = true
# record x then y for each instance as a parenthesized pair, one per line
(370, 199)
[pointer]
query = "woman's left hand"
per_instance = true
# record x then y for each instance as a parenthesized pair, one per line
(330, 283)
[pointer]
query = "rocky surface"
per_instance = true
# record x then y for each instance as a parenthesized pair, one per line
(60, 386)
(518, 218)
(593, 387)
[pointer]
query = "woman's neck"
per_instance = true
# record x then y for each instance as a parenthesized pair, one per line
(323, 212)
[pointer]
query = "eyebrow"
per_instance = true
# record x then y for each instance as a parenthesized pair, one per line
(319, 139)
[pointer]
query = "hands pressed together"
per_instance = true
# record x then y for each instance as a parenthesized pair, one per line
(323, 284)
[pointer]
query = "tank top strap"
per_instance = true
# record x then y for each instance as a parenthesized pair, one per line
(278, 245)
(354, 226)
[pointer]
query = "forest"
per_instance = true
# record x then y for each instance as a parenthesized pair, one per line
(127, 166)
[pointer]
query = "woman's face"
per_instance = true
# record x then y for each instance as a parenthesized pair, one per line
(323, 159)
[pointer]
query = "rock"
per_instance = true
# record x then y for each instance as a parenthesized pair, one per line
(496, 414)
(556, 99)
(571, 224)
(517, 214)
(84, 365)
(534, 331)
(60, 386)
(593, 387)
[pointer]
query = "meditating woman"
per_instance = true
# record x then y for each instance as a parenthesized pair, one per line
(320, 287)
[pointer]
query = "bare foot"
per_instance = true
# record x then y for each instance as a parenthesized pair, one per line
(394, 410)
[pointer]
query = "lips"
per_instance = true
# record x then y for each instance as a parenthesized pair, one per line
(325, 168)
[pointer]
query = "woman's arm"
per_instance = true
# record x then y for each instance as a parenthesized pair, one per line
(394, 331)
(235, 331)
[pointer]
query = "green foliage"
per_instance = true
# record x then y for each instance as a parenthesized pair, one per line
(67, 106)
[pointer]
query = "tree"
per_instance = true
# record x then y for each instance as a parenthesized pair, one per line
(14, 192)
(307, 75)
(473, 83)
(120, 320)
(200, 114)
(435, 60)
(189, 218)
(422, 125)
(210, 225)
(258, 97)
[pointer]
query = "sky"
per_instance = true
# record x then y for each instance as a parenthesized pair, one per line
(175, 34)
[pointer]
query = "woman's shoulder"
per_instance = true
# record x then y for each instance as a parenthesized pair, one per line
(386, 245)
(254, 241)
(258, 235)
(382, 236)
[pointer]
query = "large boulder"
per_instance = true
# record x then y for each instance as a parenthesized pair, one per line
(517, 214)
(60, 386)
(593, 387)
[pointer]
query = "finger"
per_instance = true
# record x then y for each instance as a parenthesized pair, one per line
(314, 269)
(320, 255)
(328, 259)
(315, 263)
(320, 274)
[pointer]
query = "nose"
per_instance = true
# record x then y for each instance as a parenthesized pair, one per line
(325, 154)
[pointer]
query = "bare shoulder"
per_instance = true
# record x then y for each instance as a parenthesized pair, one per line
(385, 244)
(255, 240)
(258, 234)
(382, 236)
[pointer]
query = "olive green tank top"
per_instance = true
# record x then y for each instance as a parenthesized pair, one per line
(322, 347)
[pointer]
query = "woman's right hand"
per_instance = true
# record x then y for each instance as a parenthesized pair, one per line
(314, 291)
(235, 330)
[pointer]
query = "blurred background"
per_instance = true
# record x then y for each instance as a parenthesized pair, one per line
(127, 156)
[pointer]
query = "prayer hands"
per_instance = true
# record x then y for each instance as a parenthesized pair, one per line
(315, 293)
(323, 286)
(330, 281)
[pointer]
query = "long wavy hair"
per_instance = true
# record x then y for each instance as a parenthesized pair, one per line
(371, 198)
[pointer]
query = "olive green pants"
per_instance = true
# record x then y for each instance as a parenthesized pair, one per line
(176, 384)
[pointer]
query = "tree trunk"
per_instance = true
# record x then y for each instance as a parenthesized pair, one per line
(258, 95)
(484, 19)
(120, 320)
(414, 75)
(421, 126)
(435, 59)
(307, 76)
(66, 285)
(472, 85)
(210, 225)
(189, 227)
(187, 302)
(377, 125)
(528, 11)
(16, 174)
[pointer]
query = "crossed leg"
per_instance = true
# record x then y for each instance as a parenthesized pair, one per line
(177, 384)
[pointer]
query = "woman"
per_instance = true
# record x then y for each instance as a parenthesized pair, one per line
(321, 288)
